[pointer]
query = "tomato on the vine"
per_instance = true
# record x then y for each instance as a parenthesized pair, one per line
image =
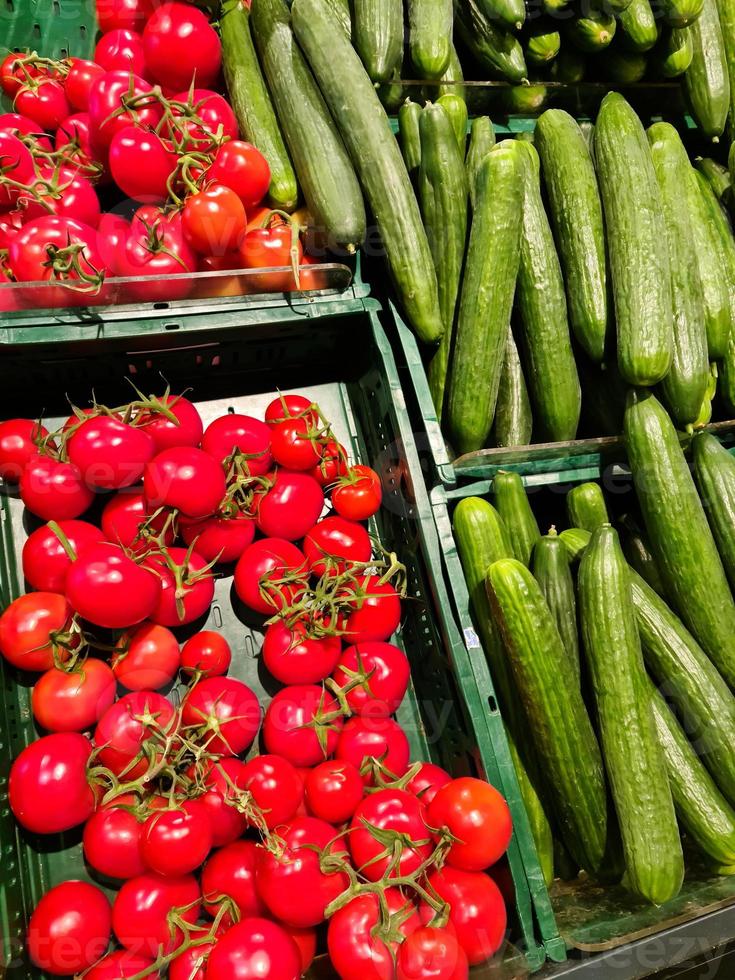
(126, 521)
(295, 657)
(81, 77)
(275, 786)
(428, 781)
(108, 588)
(111, 842)
(255, 949)
(273, 247)
(478, 817)
(17, 165)
(380, 673)
(220, 778)
(177, 840)
(270, 574)
(130, 14)
(72, 701)
(146, 658)
(110, 454)
(126, 727)
(391, 812)
(477, 911)
(221, 539)
(305, 939)
(332, 463)
(379, 739)
(290, 407)
(359, 493)
(223, 713)
(185, 429)
(333, 544)
(70, 928)
(295, 444)
(303, 724)
(290, 506)
(230, 872)
(19, 439)
(142, 164)
(122, 964)
(207, 653)
(214, 220)
(240, 433)
(432, 953)
(156, 249)
(109, 104)
(43, 100)
(54, 490)
(186, 586)
(141, 911)
(373, 609)
(357, 949)
(45, 559)
(121, 49)
(35, 631)
(202, 117)
(181, 46)
(244, 169)
(333, 791)
(185, 478)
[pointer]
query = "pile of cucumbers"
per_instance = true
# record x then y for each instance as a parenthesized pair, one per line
(612, 649)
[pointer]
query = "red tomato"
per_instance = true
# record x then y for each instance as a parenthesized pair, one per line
(332, 463)
(109, 100)
(240, 433)
(34, 631)
(109, 453)
(124, 728)
(305, 939)
(17, 165)
(379, 739)
(111, 842)
(293, 657)
(177, 841)
(74, 137)
(389, 810)
(108, 589)
(121, 50)
(290, 507)
(225, 706)
(359, 494)
(166, 433)
(383, 673)
(274, 247)
(333, 791)
(207, 653)
(432, 953)
(43, 100)
(243, 168)
(142, 164)
(291, 407)
(477, 911)
(19, 440)
(181, 46)
(45, 560)
(230, 872)
(255, 949)
(478, 817)
(156, 248)
(192, 964)
(113, 232)
(121, 964)
(127, 522)
(187, 479)
(295, 444)
(355, 951)
(11, 69)
(303, 724)
(221, 779)
(14, 123)
(428, 781)
(70, 928)
(48, 789)
(79, 81)
(140, 912)
(276, 788)
(53, 490)
(146, 658)
(65, 189)
(64, 701)
(291, 882)
(214, 220)
(376, 610)
(131, 14)
(186, 587)
(334, 543)
(204, 117)
(261, 571)
(220, 539)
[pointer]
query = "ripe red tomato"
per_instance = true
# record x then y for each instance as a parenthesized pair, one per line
(290, 507)
(305, 939)
(17, 165)
(167, 434)
(276, 246)
(221, 778)
(70, 928)
(108, 589)
(290, 407)
(31, 629)
(261, 572)
(477, 911)
(220, 539)
(276, 788)
(111, 843)
(146, 658)
(226, 706)
(187, 479)
(202, 117)
(53, 490)
(113, 232)
(45, 560)
(295, 445)
(121, 964)
(74, 137)
(121, 49)
(142, 164)
(109, 453)
(123, 729)
(19, 440)
(254, 949)
(214, 220)
(383, 672)
(11, 69)
(177, 841)
(156, 249)
(108, 105)
(334, 543)
(291, 882)
(383, 739)
(207, 653)
(240, 433)
(82, 74)
(131, 14)
(64, 701)
(127, 522)
(389, 810)
(43, 100)
(244, 169)
(432, 952)
(181, 46)
(359, 494)
(191, 964)
(428, 781)
(48, 789)
(355, 951)
(293, 657)
(230, 872)
(186, 587)
(140, 911)
(332, 463)
(333, 791)
(376, 610)
(74, 197)
(303, 724)
(478, 817)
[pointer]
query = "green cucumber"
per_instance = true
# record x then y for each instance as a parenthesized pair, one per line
(486, 301)
(538, 819)
(726, 376)
(637, 550)
(673, 54)
(408, 136)
(685, 385)
(681, 13)
(513, 506)
(451, 82)
(524, 100)
(557, 718)
(545, 339)
(593, 32)
(443, 198)
(496, 50)
(634, 759)
(252, 105)
(510, 15)
(392, 94)
(332, 193)
(636, 238)
(513, 421)
(456, 108)
(725, 244)
(340, 10)
(430, 36)
(542, 44)
(714, 472)
(586, 507)
(576, 213)
(718, 176)
(575, 540)
(677, 526)
(570, 66)
(622, 67)
(367, 133)
(726, 11)
(482, 140)
(637, 26)
(552, 572)
(377, 33)
(554, 7)
(706, 81)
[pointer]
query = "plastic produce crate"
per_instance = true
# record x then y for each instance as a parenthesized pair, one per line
(345, 363)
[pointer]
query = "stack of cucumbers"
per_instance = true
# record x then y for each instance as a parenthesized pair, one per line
(612, 648)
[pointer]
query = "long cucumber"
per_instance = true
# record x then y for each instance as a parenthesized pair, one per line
(552, 572)
(513, 421)
(637, 550)
(409, 137)
(538, 818)
(497, 50)
(726, 13)
(377, 32)
(638, 26)
(482, 140)
(586, 507)
(514, 507)
(714, 471)
(430, 36)
(706, 80)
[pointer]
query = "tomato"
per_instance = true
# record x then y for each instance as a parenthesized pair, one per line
(48, 789)
(333, 791)
(207, 653)
(108, 589)
(141, 164)
(379, 739)
(359, 494)
(46, 562)
(294, 657)
(74, 137)
(112, 233)
(203, 116)
(156, 248)
(240, 433)
(177, 841)
(140, 911)
(17, 164)
(334, 543)
(127, 522)
(19, 440)
(214, 220)
(109, 453)
(34, 629)
(64, 701)
(67, 191)
(290, 880)
(332, 463)
(11, 73)
(432, 953)
(70, 928)
(111, 843)
(166, 433)
(478, 817)
(356, 949)
(186, 586)
(130, 14)
(273, 247)
(191, 964)
(79, 81)
(290, 507)
(181, 46)
(146, 658)
(230, 872)
(44, 102)
(305, 939)
(15, 124)
(295, 445)
(255, 949)
(221, 779)
(54, 490)
(11, 223)
(269, 575)
(276, 788)
(303, 724)
(376, 609)
(428, 781)
(224, 706)
(121, 50)
(291, 407)
(389, 810)
(477, 911)
(125, 728)
(121, 964)
(383, 672)
(243, 168)
(187, 479)
(220, 539)
(109, 105)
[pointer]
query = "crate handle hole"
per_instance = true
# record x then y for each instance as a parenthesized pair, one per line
(160, 306)
(172, 326)
(492, 704)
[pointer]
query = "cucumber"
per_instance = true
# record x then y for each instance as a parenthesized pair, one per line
(673, 55)
(725, 244)
(542, 44)
(622, 67)
(367, 133)
(706, 80)
(552, 572)
(377, 33)
(685, 385)
(523, 100)
(538, 819)
(714, 472)
(513, 506)
(586, 507)
(680, 536)
(509, 15)
(593, 32)
(252, 105)
(637, 550)
(527, 135)
(719, 178)
(726, 11)
(391, 94)
(456, 108)
(408, 136)
(554, 7)
(557, 718)
(340, 10)
(634, 759)
(482, 140)
(637, 26)
(452, 79)
(726, 378)
(681, 13)
(332, 192)
(569, 67)
(636, 238)
(495, 49)
(545, 341)
(513, 422)
(430, 36)
(443, 198)
(576, 212)
(575, 540)
(486, 297)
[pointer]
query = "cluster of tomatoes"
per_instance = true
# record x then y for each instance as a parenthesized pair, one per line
(229, 868)
(146, 121)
